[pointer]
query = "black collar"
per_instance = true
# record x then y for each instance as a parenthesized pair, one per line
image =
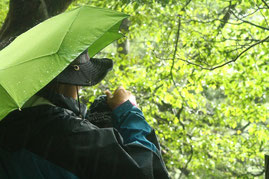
(67, 103)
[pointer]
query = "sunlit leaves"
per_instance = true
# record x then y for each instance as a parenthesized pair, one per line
(3, 10)
(211, 124)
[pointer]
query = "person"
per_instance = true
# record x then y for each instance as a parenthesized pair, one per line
(55, 136)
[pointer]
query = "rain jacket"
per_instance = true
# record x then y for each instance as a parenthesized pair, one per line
(47, 139)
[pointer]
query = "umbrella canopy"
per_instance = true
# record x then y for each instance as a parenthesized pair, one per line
(37, 56)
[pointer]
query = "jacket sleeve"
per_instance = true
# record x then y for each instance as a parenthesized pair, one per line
(130, 122)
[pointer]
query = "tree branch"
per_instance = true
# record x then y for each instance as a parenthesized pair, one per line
(23, 15)
(183, 8)
(184, 170)
(265, 4)
(178, 116)
(176, 43)
(227, 16)
(241, 128)
(226, 63)
(265, 19)
(258, 26)
(225, 19)
(175, 50)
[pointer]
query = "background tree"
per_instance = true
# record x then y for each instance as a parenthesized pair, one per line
(23, 15)
(199, 69)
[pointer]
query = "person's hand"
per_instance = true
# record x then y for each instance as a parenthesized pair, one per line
(120, 96)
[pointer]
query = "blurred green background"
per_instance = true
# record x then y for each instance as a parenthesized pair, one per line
(199, 70)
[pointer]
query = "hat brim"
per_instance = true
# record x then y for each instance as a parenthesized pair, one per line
(86, 74)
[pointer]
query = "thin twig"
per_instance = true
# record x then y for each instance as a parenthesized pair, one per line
(183, 8)
(186, 165)
(175, 51)
(265, 3)
(176, 43)
(226, 17)
(236, 58)
(174, 55)
(265, 19)
(179, 119)
(261, 27)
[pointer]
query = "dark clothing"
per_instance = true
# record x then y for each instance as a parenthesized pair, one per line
(52, 141)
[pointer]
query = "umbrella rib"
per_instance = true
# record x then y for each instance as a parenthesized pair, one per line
(26, 61)
(10, 95)
(69, 29)
(51, 53)
(108, 30)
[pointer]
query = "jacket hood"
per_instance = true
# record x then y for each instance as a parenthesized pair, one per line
(67, 103)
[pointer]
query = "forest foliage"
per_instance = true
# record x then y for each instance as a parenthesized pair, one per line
(199, 70)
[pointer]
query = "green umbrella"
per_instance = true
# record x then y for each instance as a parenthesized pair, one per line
(40, 54)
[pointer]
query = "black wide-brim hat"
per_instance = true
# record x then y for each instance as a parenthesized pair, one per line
(85, 71)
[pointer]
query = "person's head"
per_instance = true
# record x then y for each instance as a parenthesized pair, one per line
(83, 71)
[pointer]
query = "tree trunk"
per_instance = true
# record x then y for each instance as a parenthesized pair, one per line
(123, 44)
(266, 157)
(24, 14)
